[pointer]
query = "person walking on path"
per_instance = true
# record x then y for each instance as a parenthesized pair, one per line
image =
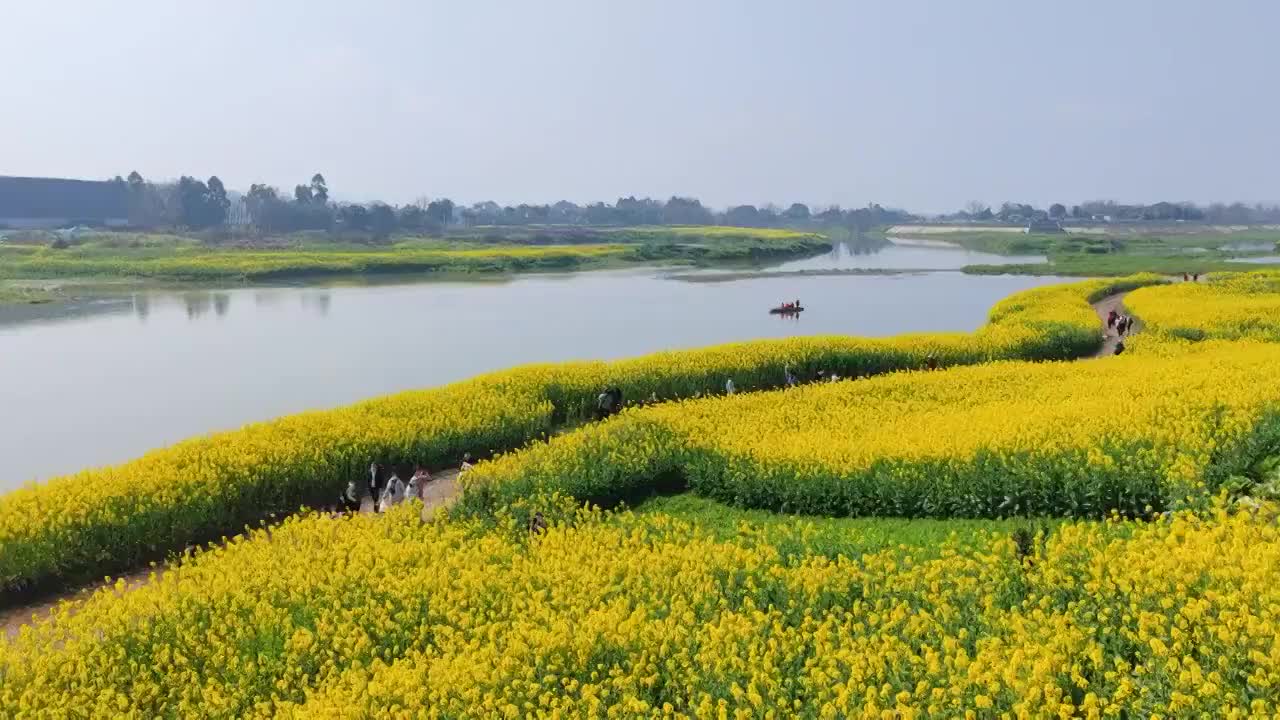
(349, 501)
(392, 494)
(417, 484)
(375, 482)
(729, 389)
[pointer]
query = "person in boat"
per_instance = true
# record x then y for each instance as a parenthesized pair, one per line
(393, 494)
(417, 483)
(729, 388)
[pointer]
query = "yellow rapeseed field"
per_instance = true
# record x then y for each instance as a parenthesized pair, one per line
(99, 520)
(1226, 305)
(1008, 438)
(1172, 613)
(629, 616)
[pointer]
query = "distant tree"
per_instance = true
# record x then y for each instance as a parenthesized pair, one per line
(354, 218)
(567, 213)
(302, 194)
(1016, 212)
(261, 201)
(382, 220)
(413, 218)
(142, 203)
(742, 215)
(440, 212)
(632, 211)
(685, 211)
(601, 214)
(1057, 211)
(319, 190)
(830, 216)
(798, 212)
(193, 203)
(976, 208)
(216, 202)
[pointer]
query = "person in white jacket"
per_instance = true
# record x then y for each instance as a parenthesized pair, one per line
(417, 483)
(393, 494)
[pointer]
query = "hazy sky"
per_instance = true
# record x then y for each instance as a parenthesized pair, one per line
(925, 105)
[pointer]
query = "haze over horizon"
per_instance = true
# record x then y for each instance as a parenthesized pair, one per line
(921, 105)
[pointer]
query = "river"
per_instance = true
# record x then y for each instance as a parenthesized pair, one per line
(103, 383)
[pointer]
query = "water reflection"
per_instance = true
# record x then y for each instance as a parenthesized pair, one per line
(197, 304)
(142, 306)
(878, 253)
(217, 303)
(317, 300)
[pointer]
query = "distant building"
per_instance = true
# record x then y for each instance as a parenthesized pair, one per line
(1044, 225)
(38, 203)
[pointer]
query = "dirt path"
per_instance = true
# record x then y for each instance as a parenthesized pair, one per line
(442, 491)
(1104, 307)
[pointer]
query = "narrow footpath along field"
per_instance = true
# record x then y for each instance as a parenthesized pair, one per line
(1101, 540)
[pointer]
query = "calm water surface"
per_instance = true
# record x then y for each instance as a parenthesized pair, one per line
(106, 384)
(911, 254)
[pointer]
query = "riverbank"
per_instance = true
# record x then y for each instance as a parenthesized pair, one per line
(731, 276)
(108, 268)
(179, 259)
(1115, 266)
(1113, 253)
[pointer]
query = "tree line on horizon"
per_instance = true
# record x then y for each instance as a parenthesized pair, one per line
(193, 204)
(203, 205)
(1110, 211)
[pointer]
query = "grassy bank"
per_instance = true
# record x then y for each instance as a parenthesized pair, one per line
(1114, 265)
(11, 294)
(1120, 253)
(182, 259)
